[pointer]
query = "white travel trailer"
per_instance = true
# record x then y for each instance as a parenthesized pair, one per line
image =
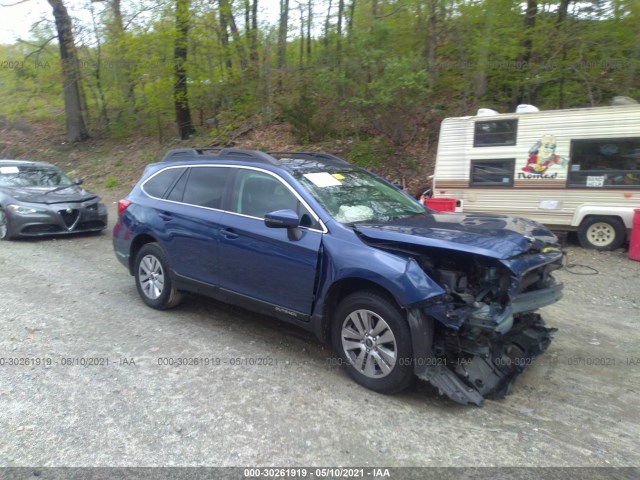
(576, 169)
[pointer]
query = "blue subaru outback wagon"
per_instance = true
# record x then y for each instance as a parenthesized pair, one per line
(399, 290)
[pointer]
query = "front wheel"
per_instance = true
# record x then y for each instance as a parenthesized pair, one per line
(153, 278)
(601, 233)
(5, 228)
(373, 340)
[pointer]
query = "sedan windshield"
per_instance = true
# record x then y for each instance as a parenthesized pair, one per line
(32, 176)
(355, 196)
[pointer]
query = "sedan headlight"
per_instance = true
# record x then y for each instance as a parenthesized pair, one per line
(22, 210)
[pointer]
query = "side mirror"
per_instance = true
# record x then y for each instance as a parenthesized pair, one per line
(284, 219)
(78, 181)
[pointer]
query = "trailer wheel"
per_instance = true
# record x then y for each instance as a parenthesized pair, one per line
(601, 233)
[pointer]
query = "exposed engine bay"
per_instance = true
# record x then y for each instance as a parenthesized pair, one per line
(486, 331)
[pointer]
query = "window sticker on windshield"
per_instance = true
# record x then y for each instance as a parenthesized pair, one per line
(339, 176)
(322, 179)
(6, 170)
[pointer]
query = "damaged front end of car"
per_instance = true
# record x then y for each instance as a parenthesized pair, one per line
(486, 331)
(480, 330)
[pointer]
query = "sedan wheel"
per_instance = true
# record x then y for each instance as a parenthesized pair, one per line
(373, 340)
(4, 226)
(153, 278)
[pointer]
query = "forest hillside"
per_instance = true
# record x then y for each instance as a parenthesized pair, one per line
(370, 80)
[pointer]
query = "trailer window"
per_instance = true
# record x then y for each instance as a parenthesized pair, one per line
(491, 133)
(608, 163)
(492, 172)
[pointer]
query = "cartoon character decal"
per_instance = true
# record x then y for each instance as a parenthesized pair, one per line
(543, 155)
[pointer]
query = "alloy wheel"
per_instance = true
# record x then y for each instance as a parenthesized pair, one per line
(151, 277)
(4, 228)
(369, 343)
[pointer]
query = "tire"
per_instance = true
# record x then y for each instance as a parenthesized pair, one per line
(5, 228)
(602, 233)
(153, 278)
(373, 341)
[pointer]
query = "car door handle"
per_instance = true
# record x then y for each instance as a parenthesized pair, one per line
(167, 217)
(229, 234)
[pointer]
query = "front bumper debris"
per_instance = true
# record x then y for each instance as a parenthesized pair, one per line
(491, 372)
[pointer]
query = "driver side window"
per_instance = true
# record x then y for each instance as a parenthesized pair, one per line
(256, 194)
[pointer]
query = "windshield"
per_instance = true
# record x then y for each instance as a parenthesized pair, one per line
(355, 196)
(33, 176)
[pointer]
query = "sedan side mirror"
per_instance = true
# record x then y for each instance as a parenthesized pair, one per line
(78, 181)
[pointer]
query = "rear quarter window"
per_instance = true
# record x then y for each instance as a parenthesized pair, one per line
(158, 185)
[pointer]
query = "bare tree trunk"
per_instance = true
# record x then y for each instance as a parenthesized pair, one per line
(631, 72)
(480, 75)
(327, 23)
(102, 105)
(180, 92)
(301, 54)
(224, 38)
(72, 87)
(254, 56)
(352, 11)
(225, 11)
(339, 39)
(309, 20)
(282, 40)
(527, 47)
(562, 15)
(118, 34)
(432, 42)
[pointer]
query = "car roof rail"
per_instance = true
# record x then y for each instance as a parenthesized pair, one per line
(239, 153)
(324, 157)
(248, 155)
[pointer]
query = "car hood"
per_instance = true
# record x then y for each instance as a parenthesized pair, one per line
(49, 195)
(495, 236)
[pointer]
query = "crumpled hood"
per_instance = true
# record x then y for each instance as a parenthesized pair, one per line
(495, 236)
(39, 194)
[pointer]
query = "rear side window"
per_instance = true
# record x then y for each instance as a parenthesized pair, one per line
(206, 186)
(158, 185)
(607, 162)
(492, 133)
(492, 172)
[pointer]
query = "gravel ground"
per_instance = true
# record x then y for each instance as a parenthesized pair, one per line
(103, 395)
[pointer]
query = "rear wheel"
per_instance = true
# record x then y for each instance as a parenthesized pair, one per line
(602, 233)
(373, 340)
(153, 278)
(5, 228)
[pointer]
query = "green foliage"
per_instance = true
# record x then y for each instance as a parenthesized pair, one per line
(111, 182)
(394, 98)
(309, 120)
(368, 153)
(374, 83)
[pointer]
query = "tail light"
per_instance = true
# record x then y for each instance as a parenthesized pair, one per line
(122, 206)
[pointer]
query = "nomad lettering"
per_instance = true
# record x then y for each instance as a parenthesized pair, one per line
(522, 175)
